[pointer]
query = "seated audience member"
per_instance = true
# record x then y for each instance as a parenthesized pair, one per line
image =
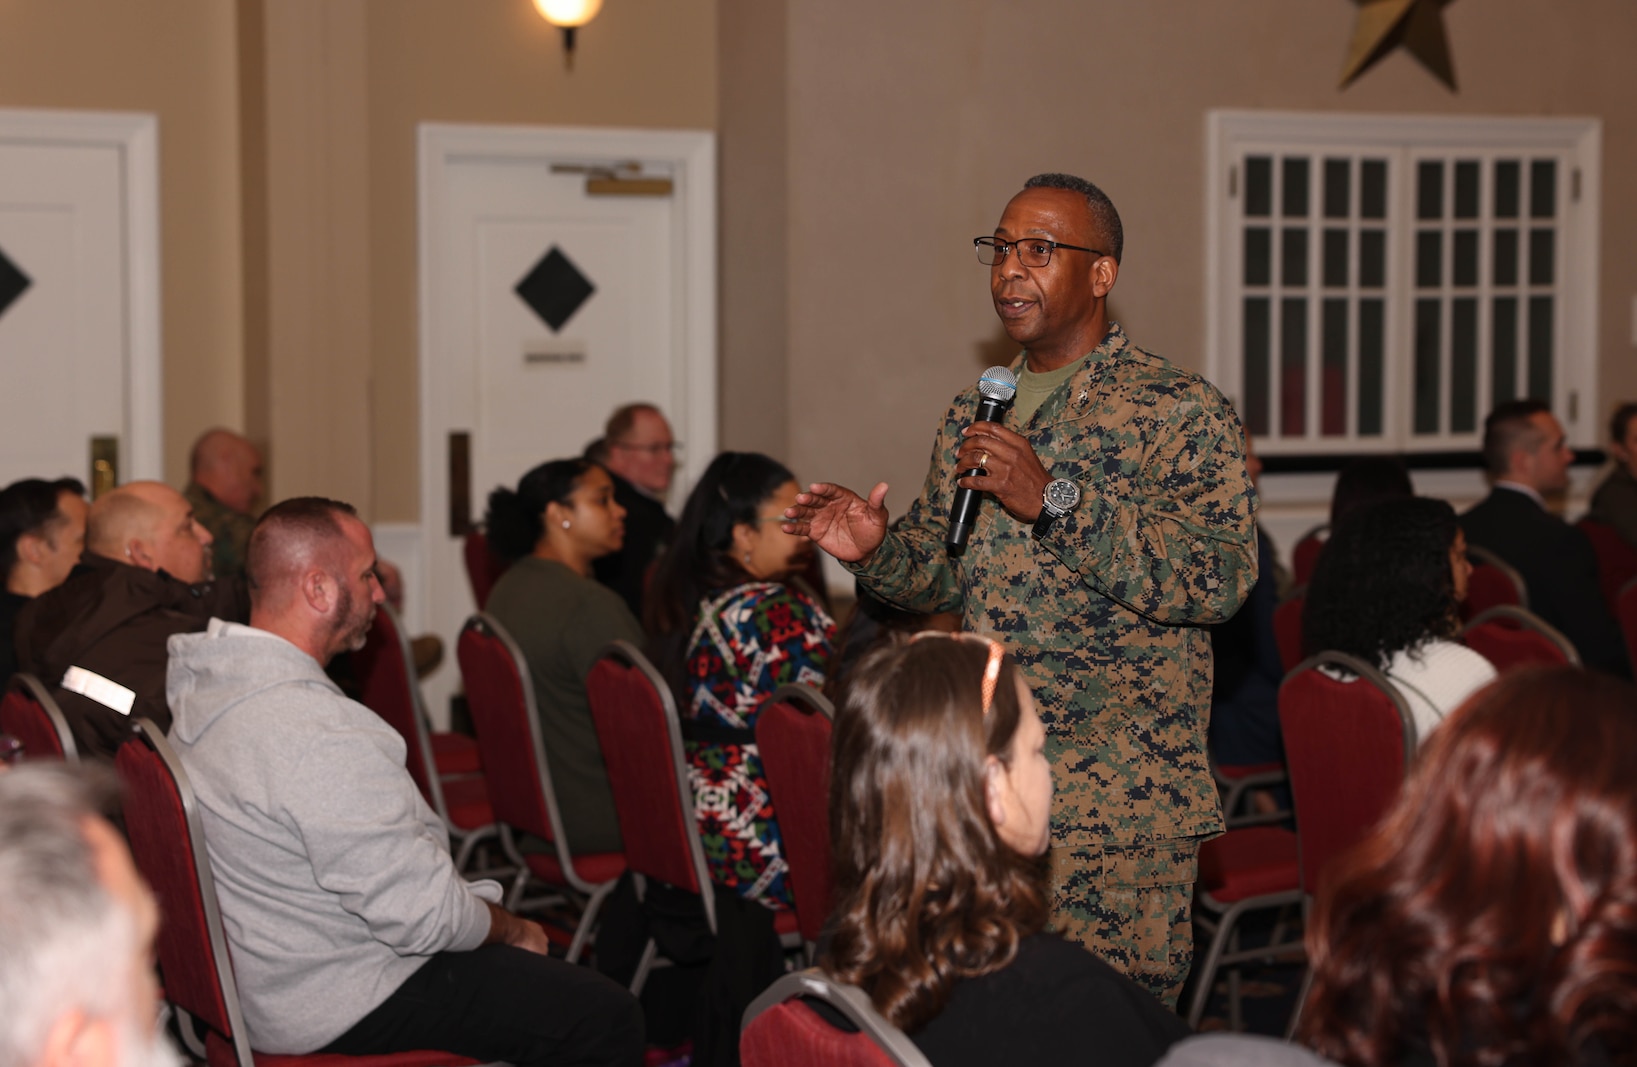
(1526, 455)
(1365, 480)
(350, 929)
(1615, 499)
(99, 638)
(225, 484)
(1489, 919)
(1388, 590)
(77, 929)
(728, 630)
(637, 449)
(940, 814)
(561, 518)
(1245, 654)
(42, 533)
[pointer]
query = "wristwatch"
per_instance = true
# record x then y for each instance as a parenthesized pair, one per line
(1061, 497)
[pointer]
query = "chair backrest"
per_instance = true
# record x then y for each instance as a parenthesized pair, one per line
(1509, 636)
(793, 737)
(1493, 582)
(500, 696)
(1348, 745)
(641, 739)
(388, 687)
(1616, 560)
(168, 845)
(483, 566)
(1304, 558)
(779, 1029)
(1625, 609)
(29, 713)
(1287, 627)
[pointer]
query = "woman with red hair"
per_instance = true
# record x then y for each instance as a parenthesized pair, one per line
(1492, 917)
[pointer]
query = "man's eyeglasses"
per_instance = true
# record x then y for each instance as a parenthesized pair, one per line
(672, 447)
(1034, 252)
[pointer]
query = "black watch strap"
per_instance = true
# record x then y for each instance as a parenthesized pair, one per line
(1044, 523)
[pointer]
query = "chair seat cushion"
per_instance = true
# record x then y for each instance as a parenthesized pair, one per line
(1249, 862)
(455, 754)
(468, 802)
(1234, 771)
(784, 922)
(219, 1053)
(594, 867)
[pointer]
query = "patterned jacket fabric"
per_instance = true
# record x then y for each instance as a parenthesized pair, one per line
(748, 641)
(1105, 613)
(231, 530)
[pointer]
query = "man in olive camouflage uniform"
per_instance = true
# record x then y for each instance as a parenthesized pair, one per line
(225, 482)
(1103, 606)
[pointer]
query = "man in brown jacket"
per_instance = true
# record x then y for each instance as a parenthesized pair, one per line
(99, 638)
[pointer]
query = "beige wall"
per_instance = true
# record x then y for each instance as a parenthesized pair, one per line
(908, 125)
(175, 59)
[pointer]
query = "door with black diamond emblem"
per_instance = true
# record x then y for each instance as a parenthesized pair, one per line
(564, 273)
(79, 327)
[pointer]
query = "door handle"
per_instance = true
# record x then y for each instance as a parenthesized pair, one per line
(104, 465)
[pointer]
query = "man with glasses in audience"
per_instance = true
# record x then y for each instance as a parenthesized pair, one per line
(1122, 522)
(638, 449)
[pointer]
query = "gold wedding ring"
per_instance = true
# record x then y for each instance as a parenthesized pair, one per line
(983, 460)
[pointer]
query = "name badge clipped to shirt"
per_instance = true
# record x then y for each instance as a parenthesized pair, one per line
(93, 686)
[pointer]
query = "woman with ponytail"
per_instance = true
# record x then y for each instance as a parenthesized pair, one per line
(729, 628)
(561, 518)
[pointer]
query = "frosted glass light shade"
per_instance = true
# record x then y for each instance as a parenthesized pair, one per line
(568, 13)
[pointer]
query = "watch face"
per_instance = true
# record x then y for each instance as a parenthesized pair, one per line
(1063, 494)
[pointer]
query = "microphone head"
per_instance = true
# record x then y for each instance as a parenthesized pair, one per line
(998, 383)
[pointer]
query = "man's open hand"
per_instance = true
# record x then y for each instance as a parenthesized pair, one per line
(840, 521)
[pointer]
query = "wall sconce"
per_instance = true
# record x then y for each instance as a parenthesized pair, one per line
(570, 15)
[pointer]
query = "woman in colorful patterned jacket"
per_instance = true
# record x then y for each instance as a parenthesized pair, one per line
(728, 629)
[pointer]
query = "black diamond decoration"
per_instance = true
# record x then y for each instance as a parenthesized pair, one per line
(12, 282)
(555, 289)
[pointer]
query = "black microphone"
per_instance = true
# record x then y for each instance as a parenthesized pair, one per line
(998, 385)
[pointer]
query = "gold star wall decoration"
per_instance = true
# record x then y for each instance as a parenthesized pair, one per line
(1383, 25)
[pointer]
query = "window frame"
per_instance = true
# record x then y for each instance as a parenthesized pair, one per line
(1404, 140)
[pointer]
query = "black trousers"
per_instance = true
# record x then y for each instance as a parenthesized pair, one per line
(499, 1003)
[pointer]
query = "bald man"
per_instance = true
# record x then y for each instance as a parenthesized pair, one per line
(224, 487)
(99, 638)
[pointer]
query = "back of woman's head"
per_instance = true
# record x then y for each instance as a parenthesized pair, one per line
(926, 891)
(1368, 480)
(1493, 913)
(1384, 581)
(700, 558)
(514, 523)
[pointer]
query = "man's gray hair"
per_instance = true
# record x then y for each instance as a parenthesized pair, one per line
(1105, 220)
(59, 926)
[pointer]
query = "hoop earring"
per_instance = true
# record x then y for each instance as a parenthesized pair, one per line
(565, 524)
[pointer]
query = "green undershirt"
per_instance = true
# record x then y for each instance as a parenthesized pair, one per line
(1034, 387)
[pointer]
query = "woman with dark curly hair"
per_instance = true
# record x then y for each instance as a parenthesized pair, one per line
(940, 811)
(729, 627)
(1387, 590)
(1492, 917)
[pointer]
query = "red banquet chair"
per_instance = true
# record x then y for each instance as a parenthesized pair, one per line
(641, 738)
(1493, 582)
(1304, 558)
(500, 694)
(29, 713)
(1508, 636)
(456, 791)
(168, 845)
(793, 736)
(1247, 869)
(1616, 560)
(781, 1031)
(1287, 627)
(483, 566)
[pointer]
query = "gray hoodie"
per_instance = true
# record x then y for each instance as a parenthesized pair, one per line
(333, 873)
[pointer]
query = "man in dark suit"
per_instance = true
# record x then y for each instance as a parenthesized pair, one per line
(639, 451)
(1526, 455)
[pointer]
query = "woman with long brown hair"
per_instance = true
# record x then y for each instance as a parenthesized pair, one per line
(940, 809)
(1492, 917)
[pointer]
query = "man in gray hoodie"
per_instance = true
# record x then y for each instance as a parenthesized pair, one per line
(350, 929)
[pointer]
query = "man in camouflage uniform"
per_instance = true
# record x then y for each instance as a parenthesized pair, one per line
(1103, 606)
(225, 482)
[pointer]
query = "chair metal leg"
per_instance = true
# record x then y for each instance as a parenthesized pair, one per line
(1301, 1002)
(644, 965)
(588, 920)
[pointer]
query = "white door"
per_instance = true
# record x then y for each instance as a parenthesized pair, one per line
(78, 296)
(546, 306)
